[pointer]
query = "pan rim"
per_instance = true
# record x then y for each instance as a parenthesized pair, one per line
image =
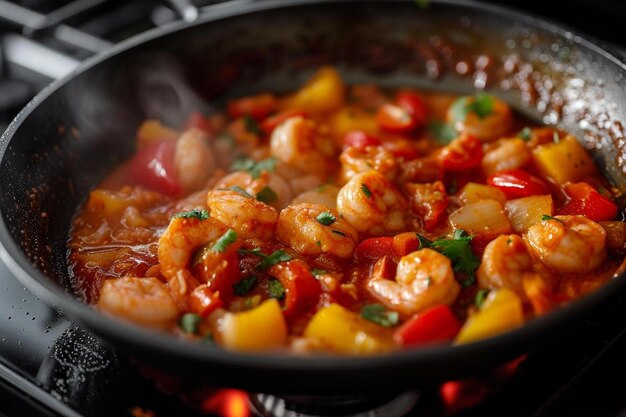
(53, 294)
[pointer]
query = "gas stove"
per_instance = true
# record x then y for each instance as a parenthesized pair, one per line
(51, 367)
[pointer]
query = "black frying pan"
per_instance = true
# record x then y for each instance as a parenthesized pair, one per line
(79, 128)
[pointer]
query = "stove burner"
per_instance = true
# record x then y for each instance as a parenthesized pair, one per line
(266, 405)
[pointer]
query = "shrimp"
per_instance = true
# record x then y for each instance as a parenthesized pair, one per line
(568, 243)
(247, 216)
(194, 160)
(144, 301)
(372, 204)
(266, 179)
(325, 195)
(506, 154)
(298, 142)
(176, 248)
(424, 279)
(300, 227)
(504, 263)
(488, 127)
(357, 160)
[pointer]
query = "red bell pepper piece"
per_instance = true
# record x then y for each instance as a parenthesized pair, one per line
(374, 248)
(462, 154)
(395, 119)
(517, 183)
(405, 243)
(428, 201)
(258, 107)
(153, 167)
(302, 290)
(586, 201)
(268, 125)
(437, 324)
(413, 104)
(359, 139)
(203, 301)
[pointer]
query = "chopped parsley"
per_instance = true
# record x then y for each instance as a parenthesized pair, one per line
(459, 251)
(244, 286)
(326, 218)
(224, 241)
(546, 218)
(318, 243)
(255, 252)
(254, 168)
(481, 105)
(252, 302)
(274, 258)
(276, 289)
(365, 190)
(525, 134)
(481, 295)
(376, 313)
(317, 272)
(338, 232)
(193, 214)
(239, 190)
(189, 323)
(251, 125)
(267, 195)
(444, 133)
(424, 242)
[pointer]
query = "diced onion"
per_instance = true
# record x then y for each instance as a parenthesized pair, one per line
(527, 211)
(485, 217)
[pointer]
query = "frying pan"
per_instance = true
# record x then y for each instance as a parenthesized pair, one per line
(79, 128)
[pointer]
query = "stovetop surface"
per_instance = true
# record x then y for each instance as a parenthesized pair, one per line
(50, 367)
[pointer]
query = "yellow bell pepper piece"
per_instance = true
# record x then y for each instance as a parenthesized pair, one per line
(345, 332)
(351, 118)
(324, 93)
(563, 161)
(473, 192)
(262, 328)
(152, 131)
(501, 311)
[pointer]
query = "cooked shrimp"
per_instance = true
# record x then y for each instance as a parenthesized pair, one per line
(357, 160)
(144, 301)
(194, 160)
(325, 195)
(298, 142)
(300, 227)
(176, 248)
(372, 204)
(568, 243)
(491, 126)
(504, 262)
(247, 216)
(506, 154)
(424, 279)
(252, 185)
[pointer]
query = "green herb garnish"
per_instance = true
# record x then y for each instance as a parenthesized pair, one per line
(459, 251)
(316, 272)
(481, 295)
(239, 190)
(189, 323)
(424, 242)
(481, 105)
(545, 218)
(267, 195)
(326, 218)
(252, 302)
(274, 258)
(255, 252)
(276, 289)
(525, 134)
(224, 241)
(365, 190)
(254, 168)
(338, 232)
(251, 125)
(376, 313)
(244, 286)
(444, 133)
(193, 214)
